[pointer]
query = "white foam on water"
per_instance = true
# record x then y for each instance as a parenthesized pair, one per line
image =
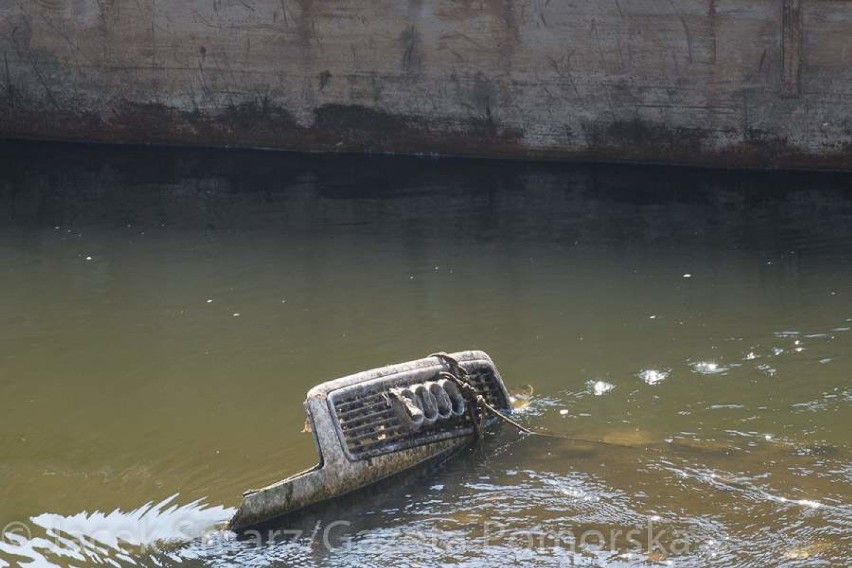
(118, 535)
(708, 368)
(599, 388)
(654, 376)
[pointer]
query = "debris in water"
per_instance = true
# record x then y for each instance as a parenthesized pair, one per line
(418, 411)
(711, 447)
(633, 437)
(521, 397)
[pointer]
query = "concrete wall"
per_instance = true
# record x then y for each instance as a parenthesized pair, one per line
(716, 82)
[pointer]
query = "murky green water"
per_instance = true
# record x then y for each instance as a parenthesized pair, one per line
(164, 311)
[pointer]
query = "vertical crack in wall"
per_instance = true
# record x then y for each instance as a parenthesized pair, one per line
(791, 48)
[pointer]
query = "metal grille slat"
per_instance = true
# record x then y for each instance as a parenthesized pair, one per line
(369, 441)
(371, 410)
(374, 424)
(343, 406)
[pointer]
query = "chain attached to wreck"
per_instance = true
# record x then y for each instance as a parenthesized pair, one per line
(378, 423)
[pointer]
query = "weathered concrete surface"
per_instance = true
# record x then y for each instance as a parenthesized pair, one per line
(765, 83)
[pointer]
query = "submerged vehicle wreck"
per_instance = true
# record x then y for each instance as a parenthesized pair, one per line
(375, 424)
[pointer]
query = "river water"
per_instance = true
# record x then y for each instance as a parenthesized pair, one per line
(164, 312)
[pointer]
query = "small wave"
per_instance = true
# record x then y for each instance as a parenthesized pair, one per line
(52, 539)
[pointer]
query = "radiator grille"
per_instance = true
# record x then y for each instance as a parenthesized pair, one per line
(370, 426)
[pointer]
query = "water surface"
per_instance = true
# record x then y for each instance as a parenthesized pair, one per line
(164, 311)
